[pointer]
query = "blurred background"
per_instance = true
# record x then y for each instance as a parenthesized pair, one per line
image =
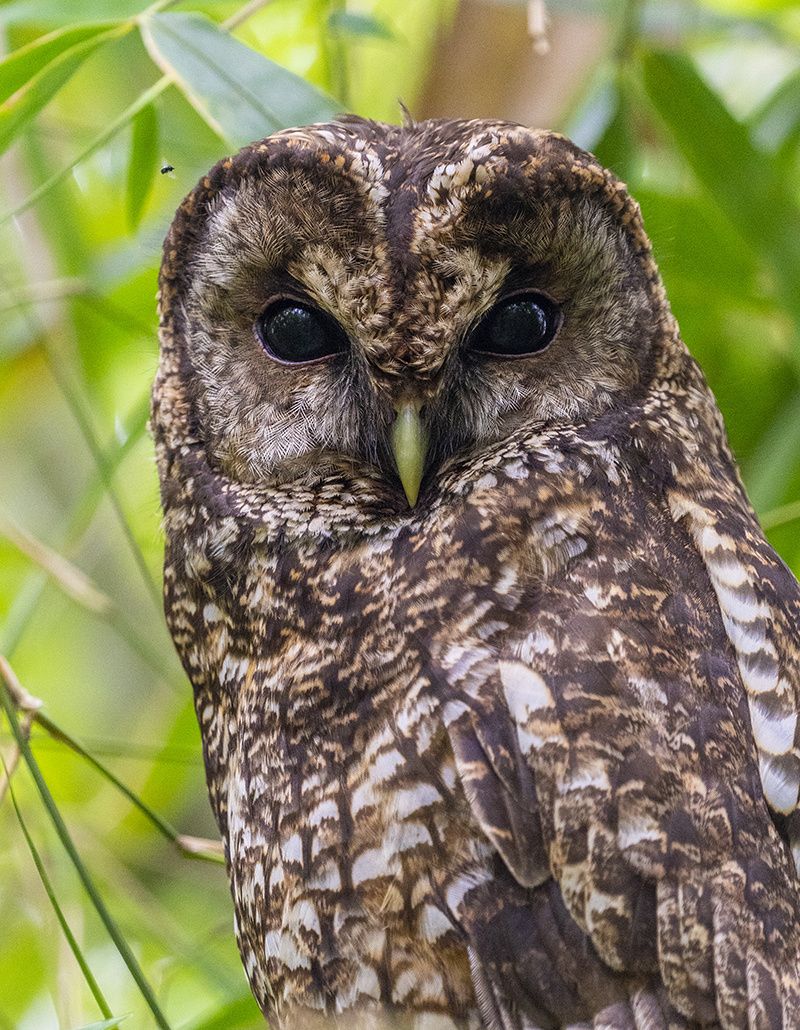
(109, 113)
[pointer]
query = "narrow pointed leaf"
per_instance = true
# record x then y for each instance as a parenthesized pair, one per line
(776, 124)
(23, 64)
(239, 93)
(28, 100)
(143, 164)
(67, 12)
(356, 23)
(94, 145)
(68, 844)
(743, 181)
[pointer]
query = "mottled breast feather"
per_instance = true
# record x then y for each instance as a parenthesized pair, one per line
(526, 754)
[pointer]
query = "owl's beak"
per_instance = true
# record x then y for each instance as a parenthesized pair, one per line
(409, 444)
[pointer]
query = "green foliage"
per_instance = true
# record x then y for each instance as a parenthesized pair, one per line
(241, 94)
(697, 107)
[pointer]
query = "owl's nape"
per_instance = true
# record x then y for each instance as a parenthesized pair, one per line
(522, 753)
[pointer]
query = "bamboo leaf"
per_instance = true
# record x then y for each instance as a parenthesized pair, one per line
(776, 124)
(57, 12)
(743, 181)
(72, 580)
(28, 99)
(781, 516)
(357, 23)
(143, 164)
(23, 64)
(238, 92)
(768, 469)
(99, 141)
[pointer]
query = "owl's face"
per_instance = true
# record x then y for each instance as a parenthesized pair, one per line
(365, 298)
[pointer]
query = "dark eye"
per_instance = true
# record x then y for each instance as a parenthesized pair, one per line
(516, 327)
(297, 333)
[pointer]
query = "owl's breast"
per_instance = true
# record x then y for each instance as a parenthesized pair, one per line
(330, 762)
(339, 876)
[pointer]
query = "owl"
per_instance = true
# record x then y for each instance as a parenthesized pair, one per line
(497, 678)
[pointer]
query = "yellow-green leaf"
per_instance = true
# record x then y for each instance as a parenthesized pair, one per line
(143, 164)
(28, 99)
(742, 181)
(21, 65)
(239, 93)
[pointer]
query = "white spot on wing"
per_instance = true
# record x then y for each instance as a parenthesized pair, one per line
(370, 865)
(525, 690)
(780, 784)
(773, 733)
(434, 923)
(412, 799)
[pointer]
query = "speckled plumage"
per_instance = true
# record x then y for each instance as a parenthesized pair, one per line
(524, 755)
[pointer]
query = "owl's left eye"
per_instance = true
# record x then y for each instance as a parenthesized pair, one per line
(516, 327)
(295, 333)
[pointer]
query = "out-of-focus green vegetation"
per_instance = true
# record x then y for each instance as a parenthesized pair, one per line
(696, 105)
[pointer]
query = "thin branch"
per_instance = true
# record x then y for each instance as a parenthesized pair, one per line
(41, 869)
(95, 144)
(10, 764)
(80, 414)
(70, 578)
(7, 700)
(241, 16)
(190, 847)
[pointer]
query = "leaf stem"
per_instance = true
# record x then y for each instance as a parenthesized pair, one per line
(75, 948)
(114, 932)
(190, 847)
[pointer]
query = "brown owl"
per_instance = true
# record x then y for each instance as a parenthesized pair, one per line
(497, 677)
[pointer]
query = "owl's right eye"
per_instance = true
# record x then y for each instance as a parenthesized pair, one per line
(519, 326)
(298, 334)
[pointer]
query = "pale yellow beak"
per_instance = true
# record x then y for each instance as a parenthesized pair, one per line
(409, 444)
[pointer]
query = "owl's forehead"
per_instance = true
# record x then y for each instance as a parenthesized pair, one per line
(412, 227)
(426, 171)
(433, 154)
(429, 173)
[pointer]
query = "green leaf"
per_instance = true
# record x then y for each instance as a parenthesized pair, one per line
(356, 23)
(767, 472)
(781, 516)
(616, 147)
(58, 12)
(143, 164)
(28, 100)
(238, 92)
(776, 123)
(21, 66)
(94, 145)
(589, 120)
(743, 181)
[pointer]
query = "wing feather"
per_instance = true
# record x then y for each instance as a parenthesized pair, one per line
(607, 737)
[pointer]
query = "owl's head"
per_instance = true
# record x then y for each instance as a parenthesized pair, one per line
(359, 299)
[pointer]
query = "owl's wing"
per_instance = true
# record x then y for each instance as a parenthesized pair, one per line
(606, 742)
(759, 601)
